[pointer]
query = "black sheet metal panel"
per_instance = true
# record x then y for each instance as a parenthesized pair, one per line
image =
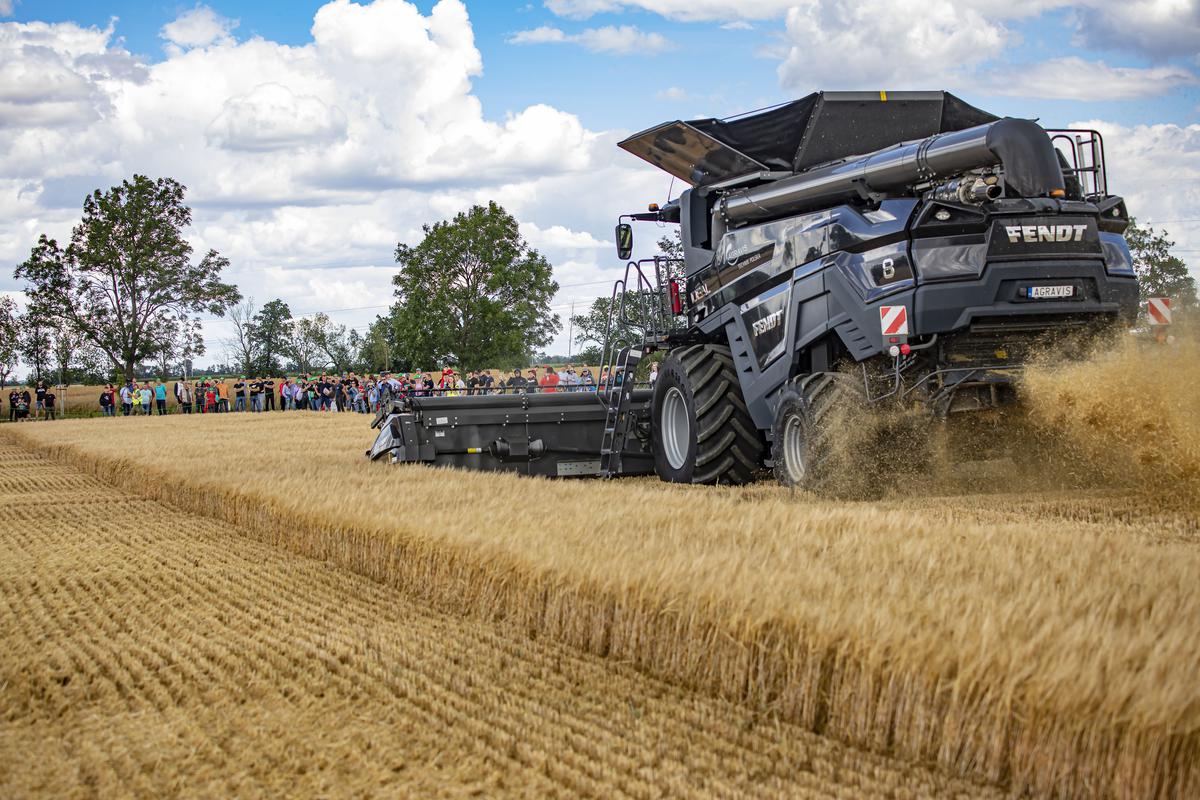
(680, 149)
(816, 129)
(554, 435)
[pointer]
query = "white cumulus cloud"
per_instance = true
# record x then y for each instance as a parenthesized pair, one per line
(687, 10)
(621, 40)
(892, 44)
(1074, 78)
(1156, 168)
(199, 27)
(272, 117)
(305, 165)
(1154, 28)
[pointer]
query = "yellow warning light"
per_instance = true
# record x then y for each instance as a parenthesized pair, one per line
(653, 207)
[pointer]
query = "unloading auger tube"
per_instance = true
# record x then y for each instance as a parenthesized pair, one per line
(1021, 147)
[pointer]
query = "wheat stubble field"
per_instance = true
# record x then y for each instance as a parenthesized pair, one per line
(1038, 635)
(152, 652)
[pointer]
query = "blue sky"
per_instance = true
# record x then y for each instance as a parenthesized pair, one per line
(313, 136)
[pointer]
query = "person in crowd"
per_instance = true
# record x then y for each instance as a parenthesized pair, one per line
(531, 382)
(126, 399)
(20, 406)
(586, 382)
(177, 390)
(567, 379)
(160, 398)
(282, 383)
(339, 395)
(653, 373)
(210, 398)
(549, 382)
(147, 394)
(136, 393)
(14, 397)
(515, 383)
(184, 396)
(106, 401)
(49, 400)
(268, 394)
(256, 388)
(239, 394)
(222, 396)
(198, 395)
(39, 393)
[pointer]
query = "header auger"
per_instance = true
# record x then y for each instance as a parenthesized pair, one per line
(847, 247)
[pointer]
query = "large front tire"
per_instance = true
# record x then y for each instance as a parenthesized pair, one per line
(702, 431)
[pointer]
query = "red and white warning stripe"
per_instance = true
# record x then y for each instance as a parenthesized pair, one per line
(893, 320)
(1160, 310)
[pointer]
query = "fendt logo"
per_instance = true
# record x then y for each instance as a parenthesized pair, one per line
(769, 322)
(1045, 233)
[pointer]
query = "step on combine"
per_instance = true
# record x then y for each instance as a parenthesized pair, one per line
(847, 247)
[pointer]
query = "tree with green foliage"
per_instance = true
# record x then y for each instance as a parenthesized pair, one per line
(317, 343)
(473, 293)
(1160, 274)
(35, 342)
(272, 326)
(379, 346)
(126, 281)
(10, 348)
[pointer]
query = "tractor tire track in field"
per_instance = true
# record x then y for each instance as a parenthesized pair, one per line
(148, 652)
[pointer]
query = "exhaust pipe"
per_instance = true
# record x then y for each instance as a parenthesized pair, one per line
(1019, 146)
(969, 190)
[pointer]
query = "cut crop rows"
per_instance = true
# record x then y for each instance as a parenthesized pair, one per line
(149, 652)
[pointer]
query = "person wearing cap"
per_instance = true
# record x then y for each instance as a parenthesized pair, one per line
(531, 382)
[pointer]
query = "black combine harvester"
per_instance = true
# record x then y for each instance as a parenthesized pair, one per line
(847, 247)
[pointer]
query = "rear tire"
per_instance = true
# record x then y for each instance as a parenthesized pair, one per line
(802, 445)
(702, 431)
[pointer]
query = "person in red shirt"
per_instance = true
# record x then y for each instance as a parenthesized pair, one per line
(549, 381)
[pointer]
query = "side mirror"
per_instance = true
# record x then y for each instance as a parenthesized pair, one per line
(624, 241)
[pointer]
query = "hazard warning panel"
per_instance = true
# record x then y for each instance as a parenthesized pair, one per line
(893, 320)
(1160, 310)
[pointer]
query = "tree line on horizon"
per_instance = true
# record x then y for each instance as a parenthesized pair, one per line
(122, 300)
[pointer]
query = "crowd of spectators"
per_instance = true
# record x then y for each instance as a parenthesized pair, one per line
(332, 393)
(41, 403)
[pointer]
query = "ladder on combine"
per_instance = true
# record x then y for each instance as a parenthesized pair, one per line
(637, 325)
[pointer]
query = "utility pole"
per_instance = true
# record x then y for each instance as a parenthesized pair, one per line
(570, 329)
